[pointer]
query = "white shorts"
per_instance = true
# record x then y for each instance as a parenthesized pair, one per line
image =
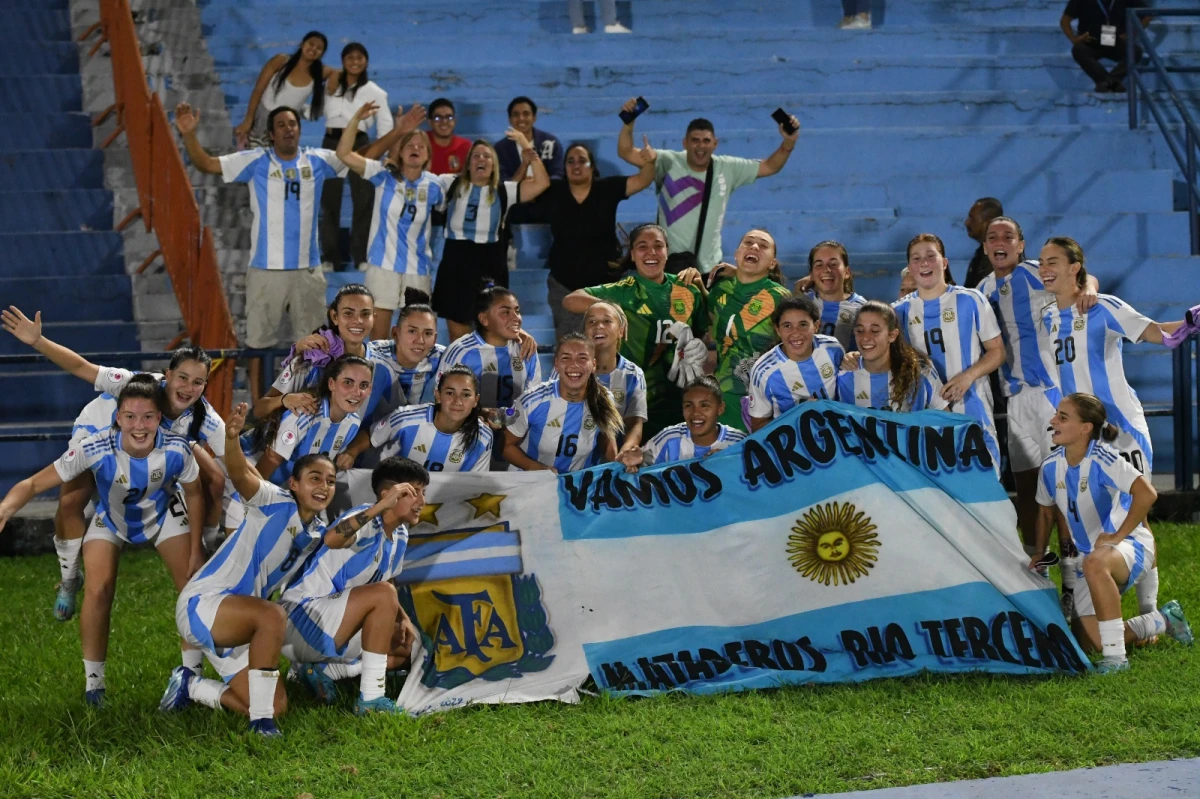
(388, 286)
(312, 625)
(194, 616)
(1128, 447)
(1138, 551)
(174, 523)
(275, 294)
(1029, 414)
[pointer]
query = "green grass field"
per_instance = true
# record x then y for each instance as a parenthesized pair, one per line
(773, 743)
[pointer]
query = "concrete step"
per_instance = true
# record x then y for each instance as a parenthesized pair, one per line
(52, 169)
(64, 210)
(49, 24)
(26, 92)
(51, 130)
(113, 336)
(91, 299)
(38, 56)
(63, 254)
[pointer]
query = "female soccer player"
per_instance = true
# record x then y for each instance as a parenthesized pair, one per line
(137, 467)
(1104, 500)
(740, 309)
(494, 352)
(446, 436)
(475, 249)
(286, 81)
(346, 332)
(225, 609)
(606, 326)
(699, 434)
(567, 423)
(831, 283)
(653, 302)
(413, 349)
(342, 607)
(185, 413)
(891, 374)
(957, 329)
(286, 436)
(803, 366)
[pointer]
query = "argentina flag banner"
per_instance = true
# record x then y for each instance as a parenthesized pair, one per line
(836, 544)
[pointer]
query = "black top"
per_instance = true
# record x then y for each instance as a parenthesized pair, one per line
(1091, 14)
(585, 233)
(979, 268)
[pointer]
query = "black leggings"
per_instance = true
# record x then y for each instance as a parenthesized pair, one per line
(362, 196)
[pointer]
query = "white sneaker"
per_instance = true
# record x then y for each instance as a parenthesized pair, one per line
(362, 267)
(327, 266)
(616, 27)
(579, 29)
(858, 22)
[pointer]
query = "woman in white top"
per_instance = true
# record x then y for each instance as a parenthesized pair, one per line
(286, 81)
(348, 90)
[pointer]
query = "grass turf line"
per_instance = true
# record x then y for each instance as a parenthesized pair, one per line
(783, 742)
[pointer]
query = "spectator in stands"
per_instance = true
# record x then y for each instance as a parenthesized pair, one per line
(608, 14)
(522, 114)
(284, 275)
(1101, 34)
(856, 15)
(286, 81)
(681, 176)
(908, 283)
(350, 89)
(582, 212)
(449, 152)
(979, 217)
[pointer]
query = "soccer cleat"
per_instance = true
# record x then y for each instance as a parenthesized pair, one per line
(176, 696)
(64, 599)
(94, 698)
(1177, 623)
(380, 705)
(266, 728)
(1112, 666)
(317, 682)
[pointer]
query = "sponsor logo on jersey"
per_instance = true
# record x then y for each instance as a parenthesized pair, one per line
(156, 475)
(122, 480)
(116, 375)
(456, 456)
(275, 173)
(798, 386)
(421, 448)
(1080, 324)
(293, 530)
(645, 309)
(554, 423)
(1061, 486)
(948, 315)
(290, 173)
(337, 442)
(862, 395)
(306, 173)
(491, 367)
(422, 195)
(1082, 484)
(916, 320)
(69, 455)
(518, 365)
(289, 437)
(844, 316)
(409, 195)
(619, 395)
(589, 423)
(827, 371)
(1004, 288)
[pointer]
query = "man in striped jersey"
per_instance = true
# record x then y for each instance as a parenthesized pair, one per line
(285, 259)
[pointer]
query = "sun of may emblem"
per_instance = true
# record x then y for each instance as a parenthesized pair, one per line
(834, 543)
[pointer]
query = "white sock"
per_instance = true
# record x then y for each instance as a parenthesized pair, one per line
(193, 660)
(262, 693)
(374, 675)
(1067, 568)
(68, 550)
(1147, 625)
(94, 671)
(1031, 550)
(1112, 640)
(207, 692)
(1147, 591)
(343, 671)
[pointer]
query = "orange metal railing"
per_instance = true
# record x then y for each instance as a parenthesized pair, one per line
(166, 200)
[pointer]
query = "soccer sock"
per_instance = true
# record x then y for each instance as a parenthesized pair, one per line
(68, 556)
(94, 671)
(262, 693)
(207, 692)
(342, 671)
(193, 660)
(1147, 591)
(1112, 640)
(374, 675)
(1147, 625)
(1031, 550)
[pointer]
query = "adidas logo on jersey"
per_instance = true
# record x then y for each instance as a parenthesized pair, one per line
(862, 395)
(645, 309)
(916, 320)
(797, 386)
(421, 448)
(122, 480)
(1061, 486)
(491, 367)
(555, 423)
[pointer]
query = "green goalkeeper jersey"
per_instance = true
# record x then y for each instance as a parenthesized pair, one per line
(741, 327)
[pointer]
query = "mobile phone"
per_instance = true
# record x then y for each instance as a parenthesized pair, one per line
(629, 116)
(782, 117)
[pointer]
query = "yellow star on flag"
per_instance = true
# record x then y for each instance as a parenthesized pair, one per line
(429, 513)
(487, 503)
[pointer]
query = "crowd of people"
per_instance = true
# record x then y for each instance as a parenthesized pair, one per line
(662, 354)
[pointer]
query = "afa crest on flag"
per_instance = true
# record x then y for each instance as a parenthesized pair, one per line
(837, 544)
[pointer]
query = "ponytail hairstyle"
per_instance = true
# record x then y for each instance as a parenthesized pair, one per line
(618, 312)
(1016, 226)
(415, 301)
(348, 290)
(343, 89)
(143, 386)
(1091, 411)
(488, 295)
(316, 70)
(848, 282)
(199, 407)
(268, 426)
(930, 238)
(599, 401)
(305, 461)
(1074, 256)
(626, 263)
(470, 428)
(906, 363)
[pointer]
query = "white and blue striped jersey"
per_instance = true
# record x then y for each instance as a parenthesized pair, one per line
(133, 492)
(269, 546)
(301, 434)
(1093, 496)
(675, 443)
(1086, 349)
(373, 558)
(101, 413)
(400, 237)
(1019, 301)
(417, 384)
(627, 383)
(503, 375)
(411, 433)
(867, 390)
(555, 432)
(474, 214)
(837, 318)
(300, 374)
(284, 198)
(777, 383)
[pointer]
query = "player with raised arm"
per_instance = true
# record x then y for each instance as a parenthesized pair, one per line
(699, 435)
(891, 374)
